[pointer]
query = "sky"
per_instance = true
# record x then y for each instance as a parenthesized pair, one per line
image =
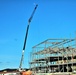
(52, 19)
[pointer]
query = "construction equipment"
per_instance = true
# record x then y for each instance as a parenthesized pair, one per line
(29, 21)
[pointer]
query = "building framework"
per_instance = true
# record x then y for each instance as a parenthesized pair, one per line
(54, 55)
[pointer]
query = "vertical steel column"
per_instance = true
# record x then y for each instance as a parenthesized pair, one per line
(63, 57)
(45, 57)
(58, 63)
(67, 58)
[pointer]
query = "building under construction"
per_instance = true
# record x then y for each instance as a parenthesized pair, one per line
(54, 55)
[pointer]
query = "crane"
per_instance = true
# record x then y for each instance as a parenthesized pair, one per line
(24, 46)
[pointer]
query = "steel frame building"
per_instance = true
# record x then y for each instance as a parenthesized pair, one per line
(54, 55)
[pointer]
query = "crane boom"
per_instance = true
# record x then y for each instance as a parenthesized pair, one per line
(20, 66)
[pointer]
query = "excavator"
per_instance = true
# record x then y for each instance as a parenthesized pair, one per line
(22, 72)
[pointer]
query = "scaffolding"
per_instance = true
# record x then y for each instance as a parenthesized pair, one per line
(54, 55)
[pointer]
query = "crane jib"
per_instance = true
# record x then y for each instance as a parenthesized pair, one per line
(32, 14)
(24, 46)
(26, 37)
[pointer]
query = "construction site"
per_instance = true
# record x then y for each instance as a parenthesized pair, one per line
(50, 57)
(54, 56)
